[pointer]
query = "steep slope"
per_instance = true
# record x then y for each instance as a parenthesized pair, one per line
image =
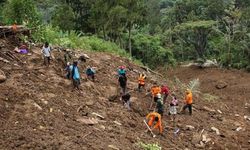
(39, 110)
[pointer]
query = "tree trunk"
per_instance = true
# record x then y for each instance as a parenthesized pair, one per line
(129, 40)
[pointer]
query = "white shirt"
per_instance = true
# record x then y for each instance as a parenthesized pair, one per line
(46, 51)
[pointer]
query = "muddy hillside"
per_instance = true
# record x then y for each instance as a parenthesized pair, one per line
(39, 109)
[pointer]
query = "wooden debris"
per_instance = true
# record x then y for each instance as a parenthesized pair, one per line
(86, 135)
(113, 147)
(118, 123)
(88, 121)
(98, 115)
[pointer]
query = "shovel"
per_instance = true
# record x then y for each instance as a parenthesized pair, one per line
(149, 129)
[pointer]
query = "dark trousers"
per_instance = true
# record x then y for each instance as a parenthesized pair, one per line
(189, 106)
(46, 61)
(140, 86)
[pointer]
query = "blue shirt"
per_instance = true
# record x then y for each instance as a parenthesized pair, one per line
(121, 71)
(76, 73)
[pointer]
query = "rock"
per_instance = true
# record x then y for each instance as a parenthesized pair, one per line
(189, 127)
(205, 139)
(113, 147)
(90, 103)
(221, 85)
(215, 130)
(239, 128)
(236, 115)
(247, 118)
(102, 127)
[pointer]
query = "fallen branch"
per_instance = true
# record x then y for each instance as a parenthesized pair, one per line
(86, 135)
(150, 70)
(98, 115)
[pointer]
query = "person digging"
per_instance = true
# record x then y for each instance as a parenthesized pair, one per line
(126, 100)
(154, 122)
(90, 72)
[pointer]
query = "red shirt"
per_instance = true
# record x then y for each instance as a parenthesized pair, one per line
(164, 90)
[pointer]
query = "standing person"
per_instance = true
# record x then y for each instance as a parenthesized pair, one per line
(122, 70)
(75, 75)
(123, 83)
(141, 81)
(155, 117)
(173, 109)
(155, 89)
(46, 51)
(67, 56)
(188, 101)
(126, 100)
(68, 70)
(90, 72)
(165, 92)
(159, 105)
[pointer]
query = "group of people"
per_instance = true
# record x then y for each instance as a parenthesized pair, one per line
(156, 116)
(158, 93)
(71, 69)
(159, 96)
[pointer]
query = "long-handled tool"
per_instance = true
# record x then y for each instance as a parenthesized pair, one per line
(149, 129)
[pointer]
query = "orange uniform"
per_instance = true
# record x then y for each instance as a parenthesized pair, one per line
(141, 79)
(155, 90)
(189, 98)
(151, 117)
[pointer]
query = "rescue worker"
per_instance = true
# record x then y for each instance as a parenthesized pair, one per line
(141, 81)
(155, 117)
(126, 100)
(154, 91)
(68, 70)
(165, 92)
(67, 56)
(46, 51)
(159, 104)
(75, 75)
(122, 70)
(123, 83)
(188, 101)
(90, 72)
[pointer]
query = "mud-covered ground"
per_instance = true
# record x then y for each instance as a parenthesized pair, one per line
(39, 110)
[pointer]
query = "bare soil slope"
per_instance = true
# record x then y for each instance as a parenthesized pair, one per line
(39, 110)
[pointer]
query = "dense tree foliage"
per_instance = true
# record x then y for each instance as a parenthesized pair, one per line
(157, 32)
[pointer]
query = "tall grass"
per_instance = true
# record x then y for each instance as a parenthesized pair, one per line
(76, 40)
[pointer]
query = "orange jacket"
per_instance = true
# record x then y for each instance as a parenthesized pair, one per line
(189, 98)
(151, 117)
(155, 90)
(141, 79)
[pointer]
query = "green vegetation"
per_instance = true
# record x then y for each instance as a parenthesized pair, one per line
(157, 32)
(149, 146)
